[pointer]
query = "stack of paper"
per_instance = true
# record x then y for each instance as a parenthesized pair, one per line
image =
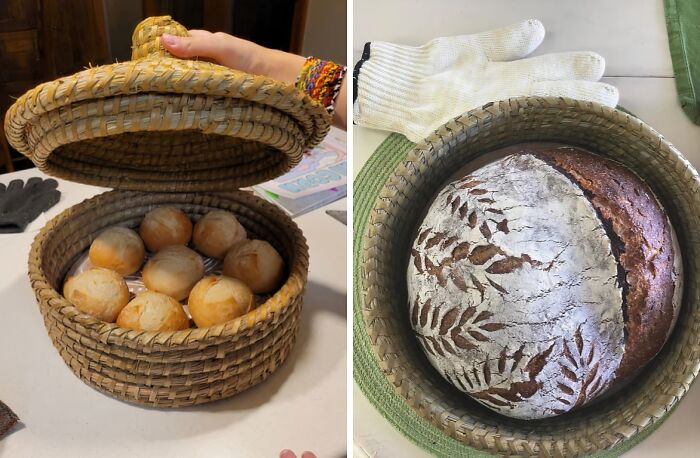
(320, 178)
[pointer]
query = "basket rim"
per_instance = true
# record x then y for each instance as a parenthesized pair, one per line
(65, 91)
(85, 106)
(111, 334)
(417, 421)
(88, 356)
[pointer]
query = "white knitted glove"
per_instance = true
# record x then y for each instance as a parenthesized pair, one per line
(414, 90)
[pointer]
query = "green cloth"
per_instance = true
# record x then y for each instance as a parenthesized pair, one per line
(366, 371)
(683, 27)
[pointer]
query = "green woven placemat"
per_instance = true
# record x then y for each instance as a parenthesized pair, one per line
(366, 371)
(683, 27)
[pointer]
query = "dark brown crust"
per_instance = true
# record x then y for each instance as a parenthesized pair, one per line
(641, 242)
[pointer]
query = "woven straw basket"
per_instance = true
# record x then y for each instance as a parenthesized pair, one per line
(166, 131)
(393, 216)
(159, 123)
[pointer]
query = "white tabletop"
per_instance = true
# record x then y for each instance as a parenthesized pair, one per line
(302, 406)
(631, 35)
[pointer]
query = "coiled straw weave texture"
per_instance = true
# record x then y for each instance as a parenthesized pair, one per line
(168, 369)
(166, 131)
(407, 378)
(159, 123)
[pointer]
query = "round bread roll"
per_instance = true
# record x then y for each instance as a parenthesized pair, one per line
(544, 280)
(173, 271)
(218, 299)
(165, 226)
(216, 232)
(256, 263)
(150, 311)
(99, 292)
(119, 249)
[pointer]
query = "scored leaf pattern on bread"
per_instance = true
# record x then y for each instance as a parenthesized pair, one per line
(461, 329)
(512, 378)
(493, 381)
(461, 208)
(478, 254)
(446, 332)
(500, 257)
(581, 377)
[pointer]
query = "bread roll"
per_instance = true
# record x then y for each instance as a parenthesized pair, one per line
(256, 263)
(165, 226)
(216, 232)
(150, 311)
(543, 281)
(99, 292)
(173, 271)
(218, 299)
(119, 249)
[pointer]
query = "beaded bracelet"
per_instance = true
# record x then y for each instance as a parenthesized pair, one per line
(321, 80)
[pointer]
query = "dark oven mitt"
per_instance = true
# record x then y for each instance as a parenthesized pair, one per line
(7, 419)
(21, 203)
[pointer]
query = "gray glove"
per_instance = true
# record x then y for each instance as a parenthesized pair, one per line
(21, 203)
(7, 419)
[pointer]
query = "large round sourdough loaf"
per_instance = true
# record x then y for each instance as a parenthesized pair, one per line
(543, 280)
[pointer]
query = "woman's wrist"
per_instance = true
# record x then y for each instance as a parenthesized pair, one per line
(322, 80)
(259, 60)
(243, 55)
(325, 82)
(278, 65)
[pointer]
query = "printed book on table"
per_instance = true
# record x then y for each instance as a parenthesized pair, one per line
(319, 179)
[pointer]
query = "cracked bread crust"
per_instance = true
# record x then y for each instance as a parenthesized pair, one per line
(517, 284)
(642, 244)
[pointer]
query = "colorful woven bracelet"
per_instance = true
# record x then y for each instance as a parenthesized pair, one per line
(321, 79)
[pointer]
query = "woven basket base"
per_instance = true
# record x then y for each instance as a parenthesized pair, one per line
(183, 392)
(168, 369)
(620, 420)
(172, 374)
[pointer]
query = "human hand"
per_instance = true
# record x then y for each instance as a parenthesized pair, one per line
(236, 53)
(290, 454)
(414, 90)
(244, 55)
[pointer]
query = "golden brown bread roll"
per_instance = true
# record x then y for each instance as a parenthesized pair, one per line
(218, 299)
(256, 263)
(99, 292)
(165, 226)
(173, 271)
(150, 311)
(216, 232)
(119, 249)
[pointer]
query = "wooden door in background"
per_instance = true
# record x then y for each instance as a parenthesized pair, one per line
(41, 40)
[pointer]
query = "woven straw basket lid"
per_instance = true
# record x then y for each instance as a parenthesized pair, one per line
(391, 193)
(159, 123)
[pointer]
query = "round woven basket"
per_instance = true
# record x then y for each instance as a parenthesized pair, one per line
(443, 419)
(168, 369)
(166, 131)
(158, 123)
